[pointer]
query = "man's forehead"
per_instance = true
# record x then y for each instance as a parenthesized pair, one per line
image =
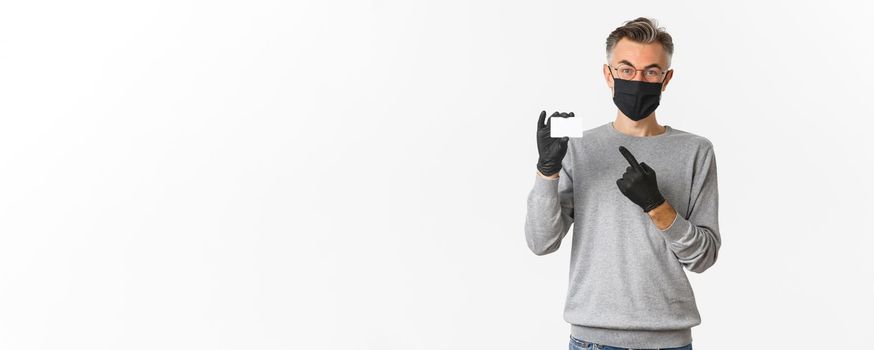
(639, 55)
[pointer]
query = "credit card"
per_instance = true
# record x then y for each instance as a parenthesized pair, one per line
(570, 127)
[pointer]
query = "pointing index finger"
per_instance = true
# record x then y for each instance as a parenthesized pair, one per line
(630, 158)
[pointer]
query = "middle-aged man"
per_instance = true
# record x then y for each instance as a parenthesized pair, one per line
(636, 224)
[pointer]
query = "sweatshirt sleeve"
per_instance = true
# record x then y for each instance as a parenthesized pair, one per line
(550, 212)
(694, 238)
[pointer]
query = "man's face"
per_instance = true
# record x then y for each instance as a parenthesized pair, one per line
(639, 56)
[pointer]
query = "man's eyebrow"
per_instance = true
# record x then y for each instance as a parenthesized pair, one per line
(651, 65)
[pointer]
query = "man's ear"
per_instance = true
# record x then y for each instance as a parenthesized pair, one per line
(667, 79)
(607, 77)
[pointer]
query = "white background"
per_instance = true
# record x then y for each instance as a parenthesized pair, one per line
(319, 175)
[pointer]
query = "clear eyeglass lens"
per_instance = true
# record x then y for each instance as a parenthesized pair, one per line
(625, 72)
(652, 74)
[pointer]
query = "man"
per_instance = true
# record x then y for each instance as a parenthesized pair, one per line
(643, 200)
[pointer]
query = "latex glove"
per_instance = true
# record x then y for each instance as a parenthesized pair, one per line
(639, 183)
(551, 150)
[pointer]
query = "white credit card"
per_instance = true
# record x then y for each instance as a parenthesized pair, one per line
(570, 127)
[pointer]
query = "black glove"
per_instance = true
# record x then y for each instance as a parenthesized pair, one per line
(551, 150)
(639, 183)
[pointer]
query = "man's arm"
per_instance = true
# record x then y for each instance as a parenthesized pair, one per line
(550, 211)
(695, 239)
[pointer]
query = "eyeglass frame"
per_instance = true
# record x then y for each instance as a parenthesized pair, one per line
(661, 76)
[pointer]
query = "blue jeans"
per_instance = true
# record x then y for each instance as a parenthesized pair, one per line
(578, 344)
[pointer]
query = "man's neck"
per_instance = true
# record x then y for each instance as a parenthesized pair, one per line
(645, 127)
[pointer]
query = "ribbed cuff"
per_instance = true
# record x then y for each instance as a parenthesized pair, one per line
(679, 228)
(544, 186)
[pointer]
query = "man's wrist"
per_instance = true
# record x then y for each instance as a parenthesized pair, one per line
(550, 177)
(663, 215)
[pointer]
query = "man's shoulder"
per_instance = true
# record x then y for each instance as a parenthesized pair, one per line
(691, 138)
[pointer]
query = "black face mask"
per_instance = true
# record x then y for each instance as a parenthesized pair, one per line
(636, 99)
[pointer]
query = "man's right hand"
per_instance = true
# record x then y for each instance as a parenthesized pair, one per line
(551, 150)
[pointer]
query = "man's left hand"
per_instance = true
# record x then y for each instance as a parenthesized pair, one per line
(639, 183)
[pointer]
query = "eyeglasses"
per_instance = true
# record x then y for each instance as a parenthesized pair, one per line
(652, 74)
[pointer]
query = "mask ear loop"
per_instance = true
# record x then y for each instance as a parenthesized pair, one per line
(611, 72)
(665, 79)
(614, 79)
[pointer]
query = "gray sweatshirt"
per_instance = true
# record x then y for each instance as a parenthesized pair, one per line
(626, 284)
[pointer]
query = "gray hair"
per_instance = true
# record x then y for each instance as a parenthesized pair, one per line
(642, 30)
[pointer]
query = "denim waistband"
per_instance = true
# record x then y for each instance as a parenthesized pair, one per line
(631, 338)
